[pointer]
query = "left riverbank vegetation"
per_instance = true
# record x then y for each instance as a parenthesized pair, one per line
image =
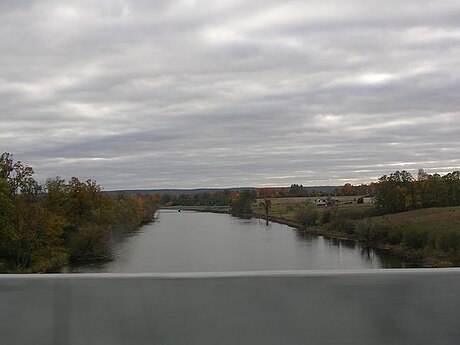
(43, 227)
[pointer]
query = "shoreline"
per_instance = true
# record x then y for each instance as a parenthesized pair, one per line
(418, 258)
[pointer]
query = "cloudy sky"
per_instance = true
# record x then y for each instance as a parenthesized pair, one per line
(192, 93)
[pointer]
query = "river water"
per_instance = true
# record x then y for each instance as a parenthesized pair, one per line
(208, 242)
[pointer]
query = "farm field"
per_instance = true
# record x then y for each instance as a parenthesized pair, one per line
(286, 208)
(431, 219)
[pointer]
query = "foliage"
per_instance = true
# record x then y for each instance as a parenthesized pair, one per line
(343, 224)
(42, 227)
(307, 215)
(297, 190)
(6, 222)
(327, 216)
(400, 191)
(221, 198)
(242, 205)
(410, 230)
(351, 190)
(414, 237)
(369, 233)
(90, 242)
(447, 241)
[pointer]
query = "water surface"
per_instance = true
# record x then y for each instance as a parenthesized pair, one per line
(207, 242)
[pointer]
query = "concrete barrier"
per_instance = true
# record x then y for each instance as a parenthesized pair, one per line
(289, 307)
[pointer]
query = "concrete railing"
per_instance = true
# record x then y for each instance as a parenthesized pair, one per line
(290, 307)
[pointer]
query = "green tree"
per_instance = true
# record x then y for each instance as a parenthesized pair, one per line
(19, 176)
(6, 166)
(296, 190)
(396, 192)
(452, 183)
(437, 192)
(6, 226)
(242, 205)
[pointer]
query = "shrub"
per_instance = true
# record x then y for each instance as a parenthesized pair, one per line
(343, 224)
(394, 235)
(380, 232)
(448, 240)
(415, 238)
(307, 215)
(376, 233)
(90, 242)
(356, 213)
(363, 229)
(327, 216)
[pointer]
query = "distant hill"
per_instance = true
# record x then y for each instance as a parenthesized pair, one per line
(328, 189)
(210, 190)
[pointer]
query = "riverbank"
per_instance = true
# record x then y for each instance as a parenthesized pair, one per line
(430, 223)
(211, 209)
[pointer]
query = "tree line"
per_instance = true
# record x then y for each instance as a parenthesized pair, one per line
(220, 198)
(400, 191)
(45, 226)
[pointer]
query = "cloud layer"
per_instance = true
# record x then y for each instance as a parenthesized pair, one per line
(152, 94)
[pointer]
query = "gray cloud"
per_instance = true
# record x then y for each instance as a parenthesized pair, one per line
(146, 94)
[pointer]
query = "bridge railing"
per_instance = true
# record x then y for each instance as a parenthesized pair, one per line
(290, 307)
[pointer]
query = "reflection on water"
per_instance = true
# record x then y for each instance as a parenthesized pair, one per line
(207, 242)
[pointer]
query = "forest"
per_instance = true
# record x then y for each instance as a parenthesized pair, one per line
(45, 226)
(400, 191)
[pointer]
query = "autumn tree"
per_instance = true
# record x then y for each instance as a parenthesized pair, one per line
(400, 191)
(396, 191)
(242, 205)
(43, 227)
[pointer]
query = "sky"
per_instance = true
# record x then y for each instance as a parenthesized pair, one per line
(191, 93)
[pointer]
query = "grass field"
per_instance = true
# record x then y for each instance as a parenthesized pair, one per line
(286, 208)
(432, 219)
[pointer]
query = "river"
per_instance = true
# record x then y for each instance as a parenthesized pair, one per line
(208, 242)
